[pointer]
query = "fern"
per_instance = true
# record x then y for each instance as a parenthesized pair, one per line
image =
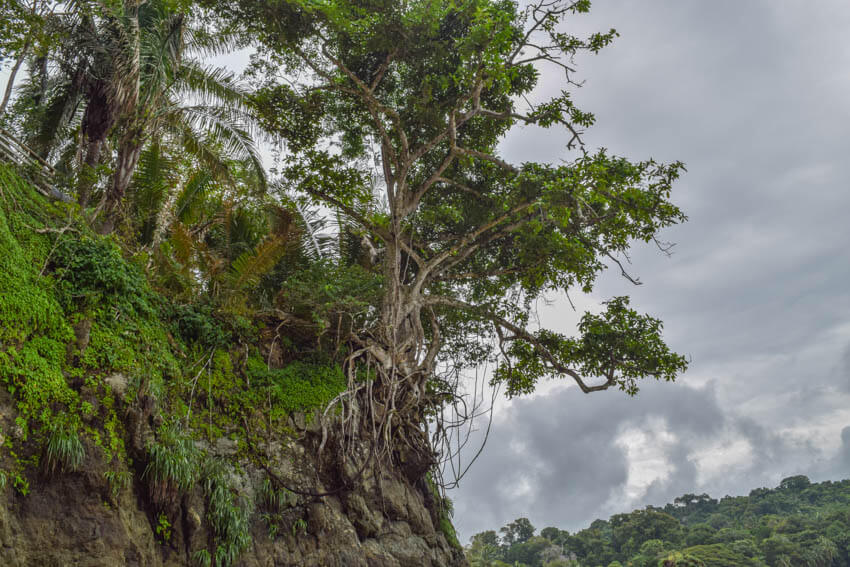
(250, 266)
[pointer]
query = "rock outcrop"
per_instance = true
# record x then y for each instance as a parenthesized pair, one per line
(368, 519)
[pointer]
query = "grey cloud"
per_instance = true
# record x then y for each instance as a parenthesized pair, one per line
(843, 456)
(682, 478)
(838, 465)
(754, 98)
(556, 459)
(564, 447)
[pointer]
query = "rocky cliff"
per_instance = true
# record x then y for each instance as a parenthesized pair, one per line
(79, 518)
(137, 428)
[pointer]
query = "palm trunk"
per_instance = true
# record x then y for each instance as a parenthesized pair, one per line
(87, 175)
(98, 120)
(128, 158)
(130, 144)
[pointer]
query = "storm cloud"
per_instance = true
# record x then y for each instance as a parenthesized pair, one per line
(755, 98)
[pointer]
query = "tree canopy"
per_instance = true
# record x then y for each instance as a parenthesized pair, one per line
(391, 114)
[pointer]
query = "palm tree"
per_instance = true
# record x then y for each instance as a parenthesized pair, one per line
(127, 74)
(202, 109)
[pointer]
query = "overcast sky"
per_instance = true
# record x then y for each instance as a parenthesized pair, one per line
(754, 96)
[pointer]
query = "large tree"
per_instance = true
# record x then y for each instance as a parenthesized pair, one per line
(392, 113)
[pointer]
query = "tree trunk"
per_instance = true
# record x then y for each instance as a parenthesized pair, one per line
(130, 143)
(11, 82)
(98, 120)
(86, 177)
(128, 157)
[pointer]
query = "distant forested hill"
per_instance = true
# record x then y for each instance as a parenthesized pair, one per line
(798, 523)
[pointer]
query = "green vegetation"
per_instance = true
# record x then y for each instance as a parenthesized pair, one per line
(177, 299)
(298, 386)
(272, 504)
(173, 465)
(64, 451)
(202, 558)
(63, 280)
(796, 524)
(228, 520)
(118, 481)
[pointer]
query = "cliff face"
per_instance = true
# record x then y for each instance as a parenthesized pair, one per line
(75, 518)
(139, 430)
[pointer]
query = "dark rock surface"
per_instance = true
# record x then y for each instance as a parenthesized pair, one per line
(72, 518)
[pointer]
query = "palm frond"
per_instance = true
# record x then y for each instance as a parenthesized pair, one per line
(161, 52)
(186, 207)
(153, 179)
(48, 104)
(211, 85)
(182, 242)
(205, 43)
(198, 146)
(213, 131)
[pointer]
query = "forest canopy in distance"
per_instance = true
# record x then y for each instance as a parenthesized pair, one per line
(798, 523)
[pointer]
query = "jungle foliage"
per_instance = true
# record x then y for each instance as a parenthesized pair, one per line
(390, 250)
(798, 523)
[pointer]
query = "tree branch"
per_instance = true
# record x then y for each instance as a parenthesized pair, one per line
(520, 333)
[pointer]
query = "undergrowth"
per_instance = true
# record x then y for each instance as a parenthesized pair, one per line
(299, 386)
(57, 276)
(272, 503)
(64, 452)
(173, 465)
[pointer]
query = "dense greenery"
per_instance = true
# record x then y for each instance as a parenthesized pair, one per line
(389, 250)
(77, 314)
(798, 523)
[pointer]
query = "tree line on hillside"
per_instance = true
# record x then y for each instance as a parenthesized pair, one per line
(798, 523)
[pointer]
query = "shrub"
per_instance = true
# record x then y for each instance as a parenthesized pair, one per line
(92, 271)
(64, 451)
(197, 324)
(228, 520)
(172, 465)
